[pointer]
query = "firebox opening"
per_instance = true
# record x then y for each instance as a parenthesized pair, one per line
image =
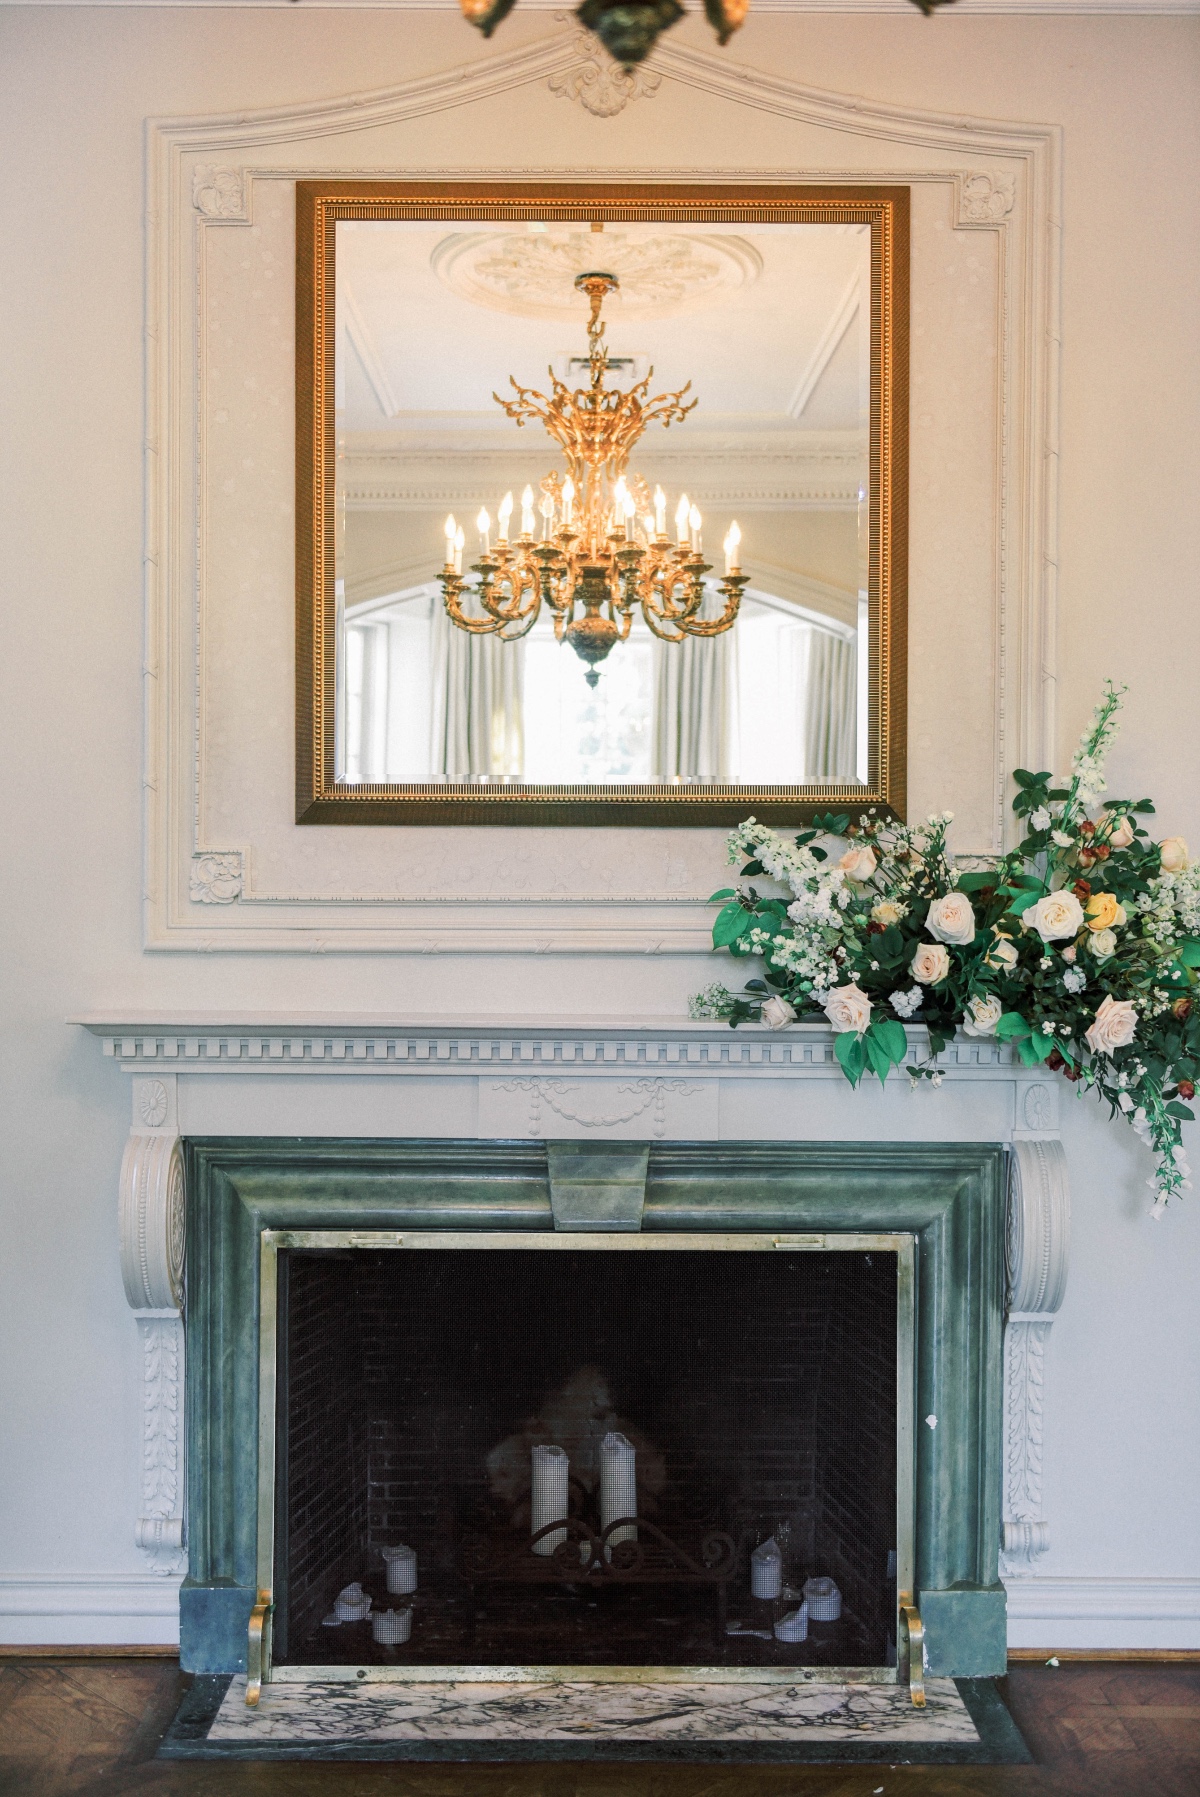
(755, 1395)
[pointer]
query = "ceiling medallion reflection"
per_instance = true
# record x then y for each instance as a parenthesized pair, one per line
(629, 29)
(603, 552)
(534, 273)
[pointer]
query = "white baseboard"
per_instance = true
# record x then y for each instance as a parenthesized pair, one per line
(142, 1610)
(1104, 1614)
(89, 1610)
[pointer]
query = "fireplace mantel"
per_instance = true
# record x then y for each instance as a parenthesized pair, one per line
(372, 1075)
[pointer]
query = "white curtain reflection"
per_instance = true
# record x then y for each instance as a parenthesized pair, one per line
(477, 692)
(695, 722)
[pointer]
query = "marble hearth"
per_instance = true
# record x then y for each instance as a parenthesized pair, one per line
(248, 1122)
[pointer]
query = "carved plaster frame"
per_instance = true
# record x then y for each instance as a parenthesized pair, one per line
(999, 177)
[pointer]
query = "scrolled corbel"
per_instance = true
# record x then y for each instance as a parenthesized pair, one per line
(1038, 1244)
(152, 1212)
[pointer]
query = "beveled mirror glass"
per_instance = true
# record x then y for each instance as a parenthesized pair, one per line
(601, 502)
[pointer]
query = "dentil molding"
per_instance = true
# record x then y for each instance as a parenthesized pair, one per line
(223, 872)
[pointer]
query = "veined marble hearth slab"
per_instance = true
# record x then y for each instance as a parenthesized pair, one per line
(963, 1722)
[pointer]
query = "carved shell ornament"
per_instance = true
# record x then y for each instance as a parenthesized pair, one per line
(629, 29)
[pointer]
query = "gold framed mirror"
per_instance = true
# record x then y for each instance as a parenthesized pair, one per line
(526, 415)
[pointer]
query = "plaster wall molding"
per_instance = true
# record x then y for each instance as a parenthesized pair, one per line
(601, 86)
(194, 202)
(1038, 1247)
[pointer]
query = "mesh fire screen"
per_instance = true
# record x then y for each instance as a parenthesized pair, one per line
(724, 1432)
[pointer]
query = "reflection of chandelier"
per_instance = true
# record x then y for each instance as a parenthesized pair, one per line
(604, 551)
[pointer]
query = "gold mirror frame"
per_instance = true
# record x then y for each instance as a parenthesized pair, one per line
(320, 799)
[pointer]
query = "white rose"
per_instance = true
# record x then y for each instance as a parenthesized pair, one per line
(930, 964)
(1040, 819)
(951, 919)
(1103, 943)
(1003, 953)
(848, 1008)
(985, 1014)
(777, 1013)
(888, 911)
(1174, 853)
(858, 864)
(1057, 915)
(1114, 1027)
(1121, 834)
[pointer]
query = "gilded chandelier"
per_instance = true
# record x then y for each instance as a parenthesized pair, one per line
(603, 551)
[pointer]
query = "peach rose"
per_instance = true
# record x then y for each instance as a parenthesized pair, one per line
(848, 1008)
(1057, 915)
(1104, 912)
(858, 864)
(951, 919)
(1121, 834)
(887, 912)
(983, 1014)
(1114, 1027)
(1003, 952)
(930, 964)
(1174, 855)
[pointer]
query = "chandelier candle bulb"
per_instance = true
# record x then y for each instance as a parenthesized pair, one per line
(694, 522)
(568, 501)
(682, 512)
(660, 512)
(547, 518)
(459, 543)
(732, 541)
(504, 513)
(451, 534)
(618, 1485)
(549, 1498)
(527, 512)
(484, 526)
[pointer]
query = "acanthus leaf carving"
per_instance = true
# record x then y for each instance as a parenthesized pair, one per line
(160, 1531)
(601, 86)
(1038, 1240)
(984, 199)
(220, 193)
(216, 878)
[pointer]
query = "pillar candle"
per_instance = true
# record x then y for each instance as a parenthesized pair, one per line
(766, 1570)
(618, 1485)
(550, 1468)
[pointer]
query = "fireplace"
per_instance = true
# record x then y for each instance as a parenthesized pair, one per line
(757, 1394)
(800, 1342)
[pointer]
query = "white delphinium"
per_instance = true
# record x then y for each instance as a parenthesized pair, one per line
(714, 1002)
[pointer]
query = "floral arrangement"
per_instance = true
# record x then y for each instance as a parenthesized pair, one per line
(1080, 947)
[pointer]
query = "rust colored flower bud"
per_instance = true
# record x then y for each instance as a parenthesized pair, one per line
(1054, 1060)
(1087, 829)
(1187, 1088)
(1182, 1008)
(1083, 891)
(1071, 1073)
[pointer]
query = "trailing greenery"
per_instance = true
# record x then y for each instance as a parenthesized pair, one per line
(1081, 947)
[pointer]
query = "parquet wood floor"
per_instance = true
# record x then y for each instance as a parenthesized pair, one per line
(89, 1727)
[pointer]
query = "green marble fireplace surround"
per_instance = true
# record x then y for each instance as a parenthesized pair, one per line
(949, 1196)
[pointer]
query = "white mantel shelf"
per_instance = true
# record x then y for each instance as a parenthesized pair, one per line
(356, 1075)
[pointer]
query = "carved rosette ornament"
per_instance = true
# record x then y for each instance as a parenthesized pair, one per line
(1039, 1237)
(151, 1218)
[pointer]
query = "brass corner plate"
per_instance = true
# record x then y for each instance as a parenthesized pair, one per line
(320, 798)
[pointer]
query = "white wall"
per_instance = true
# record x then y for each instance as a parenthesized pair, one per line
(1123, 1443)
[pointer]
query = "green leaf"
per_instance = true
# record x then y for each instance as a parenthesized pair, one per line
(1043, 1046)
(1023, 902)
(732, 922)
(832, 823)
(851, 1054)
(1029, 1054)
(977, 882)
(725, 892)
(1175, 1109)
(878, 1056)
(752, 867)
(891, 1038)
(1189, 952)
(1011, 1027)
